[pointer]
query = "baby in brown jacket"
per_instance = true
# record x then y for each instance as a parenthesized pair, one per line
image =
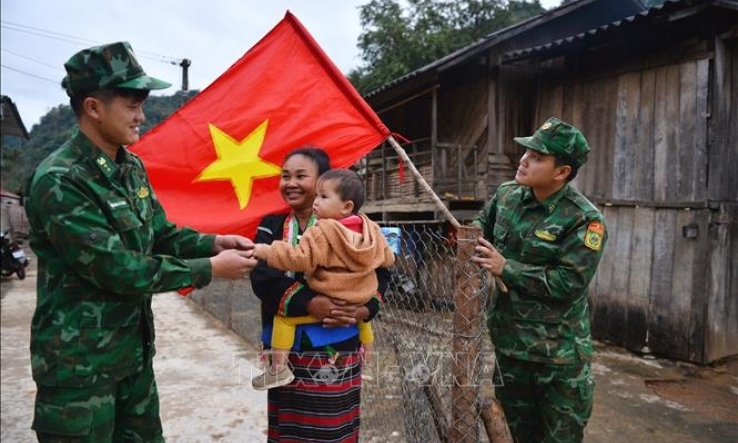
(339, 256)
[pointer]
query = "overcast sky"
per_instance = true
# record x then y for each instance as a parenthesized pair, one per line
(38, 36)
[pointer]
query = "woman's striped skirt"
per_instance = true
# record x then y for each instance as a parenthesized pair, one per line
(322, 404)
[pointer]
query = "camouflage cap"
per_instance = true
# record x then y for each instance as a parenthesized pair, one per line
(107, 66)
(560, 139)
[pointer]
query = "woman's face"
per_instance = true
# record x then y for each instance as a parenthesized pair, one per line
(297, 184)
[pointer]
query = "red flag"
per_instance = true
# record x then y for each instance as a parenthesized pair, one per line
(215, 163)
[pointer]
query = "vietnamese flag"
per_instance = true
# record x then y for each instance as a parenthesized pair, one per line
(215, 163)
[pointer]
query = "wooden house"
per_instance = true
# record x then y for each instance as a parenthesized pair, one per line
(654, 92)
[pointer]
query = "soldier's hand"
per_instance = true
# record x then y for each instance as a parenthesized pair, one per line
(232, 264)
(223, 242)
(488, 257)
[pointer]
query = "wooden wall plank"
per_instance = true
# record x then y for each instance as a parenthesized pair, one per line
(685, 166)
(493, 144)
(605, 173)
(723, 157)
(575, 116)
(639, 283)
(667, 140)
(626, 122)
(700, 157)
(660, 136)
(699, 291)
(595, 134)
(645, 139)
(601, 292)
(682, 285)
(662, 269)
(721, 319)
(556, 105)
(730, 154)
(669, 333)
(619, 297)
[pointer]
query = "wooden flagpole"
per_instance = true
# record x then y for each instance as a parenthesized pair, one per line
(437, 200)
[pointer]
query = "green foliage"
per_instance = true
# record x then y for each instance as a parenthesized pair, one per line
(20, 157)
(396, 41)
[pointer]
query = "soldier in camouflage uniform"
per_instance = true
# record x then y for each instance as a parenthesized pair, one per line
(545, 240)
(104, 246)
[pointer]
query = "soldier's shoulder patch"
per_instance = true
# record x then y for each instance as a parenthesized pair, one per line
(593, 236)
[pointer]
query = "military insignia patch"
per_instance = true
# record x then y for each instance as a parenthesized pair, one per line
(103, 163)
(545, 235)
(143, 192)
(593, 236)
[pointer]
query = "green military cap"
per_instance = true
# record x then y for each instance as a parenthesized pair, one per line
(107, 66)
(560, 139)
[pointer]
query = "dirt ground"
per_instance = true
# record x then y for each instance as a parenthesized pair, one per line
(703, 389)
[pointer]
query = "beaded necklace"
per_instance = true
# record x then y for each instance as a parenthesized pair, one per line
(291, 232)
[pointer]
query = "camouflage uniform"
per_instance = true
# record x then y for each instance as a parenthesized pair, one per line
(104, 246)
(540, 328)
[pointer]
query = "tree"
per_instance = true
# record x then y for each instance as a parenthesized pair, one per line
(396, 41)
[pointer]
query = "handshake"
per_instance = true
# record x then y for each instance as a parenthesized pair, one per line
(234, 257)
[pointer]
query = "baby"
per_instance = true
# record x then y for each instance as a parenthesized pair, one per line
(339, 256)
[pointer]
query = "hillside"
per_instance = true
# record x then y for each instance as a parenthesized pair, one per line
(20, 157)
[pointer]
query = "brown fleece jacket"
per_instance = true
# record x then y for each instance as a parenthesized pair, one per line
(338, 262)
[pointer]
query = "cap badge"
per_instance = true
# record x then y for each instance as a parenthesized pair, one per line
(546, 126)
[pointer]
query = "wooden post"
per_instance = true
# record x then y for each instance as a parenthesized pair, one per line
(467, 342)
(495, 424)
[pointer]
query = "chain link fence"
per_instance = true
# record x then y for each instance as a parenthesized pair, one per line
(433, 363)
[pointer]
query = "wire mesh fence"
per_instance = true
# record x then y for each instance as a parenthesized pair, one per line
(433, 362)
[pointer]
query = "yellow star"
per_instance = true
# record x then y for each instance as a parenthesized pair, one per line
(239, 162)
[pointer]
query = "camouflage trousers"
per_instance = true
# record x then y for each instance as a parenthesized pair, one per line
(124, 412)
(544, 403)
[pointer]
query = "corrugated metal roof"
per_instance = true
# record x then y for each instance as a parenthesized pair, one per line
(667, 7)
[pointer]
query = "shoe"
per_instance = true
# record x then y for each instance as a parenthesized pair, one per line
(367, 377)
(367, 374)
(269, 380)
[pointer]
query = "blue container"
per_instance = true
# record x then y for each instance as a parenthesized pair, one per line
(394, 238)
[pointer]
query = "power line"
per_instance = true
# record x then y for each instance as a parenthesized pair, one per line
(57, 82)
(80, 41)
(45, 33)
(32, 59)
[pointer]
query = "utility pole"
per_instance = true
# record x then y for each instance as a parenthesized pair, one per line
(185, 64)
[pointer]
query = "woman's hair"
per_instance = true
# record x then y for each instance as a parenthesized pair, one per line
(349, 186)
(317, 155)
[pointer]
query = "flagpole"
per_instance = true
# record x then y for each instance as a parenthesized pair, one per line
(437, 200)
(419, 177)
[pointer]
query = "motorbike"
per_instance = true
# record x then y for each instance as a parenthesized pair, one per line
(13, 259)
